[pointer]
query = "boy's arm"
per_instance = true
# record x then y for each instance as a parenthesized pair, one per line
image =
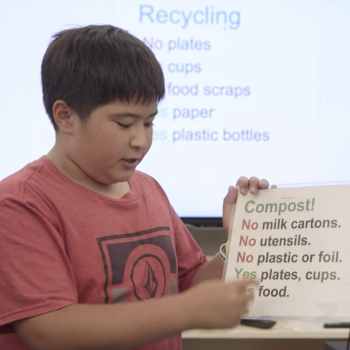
(126, 326)
(104, 327)
(214, 268)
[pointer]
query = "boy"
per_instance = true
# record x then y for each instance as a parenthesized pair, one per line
(92, 254)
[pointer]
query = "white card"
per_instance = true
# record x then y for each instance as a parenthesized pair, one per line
(296, 243)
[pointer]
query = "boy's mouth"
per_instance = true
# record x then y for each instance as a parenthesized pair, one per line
(132, 161)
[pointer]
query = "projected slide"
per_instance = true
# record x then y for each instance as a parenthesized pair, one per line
(258, 88)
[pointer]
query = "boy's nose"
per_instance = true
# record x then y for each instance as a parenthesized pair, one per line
(139, 140)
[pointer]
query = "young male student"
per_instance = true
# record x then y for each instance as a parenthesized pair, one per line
(93, 256)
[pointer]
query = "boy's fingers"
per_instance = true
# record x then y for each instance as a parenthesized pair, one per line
(253, 185)
(243, 284)
(263, 184)
(243, 184)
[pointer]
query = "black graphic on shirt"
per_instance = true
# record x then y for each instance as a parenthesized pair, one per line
(139, 265)
(150, 283)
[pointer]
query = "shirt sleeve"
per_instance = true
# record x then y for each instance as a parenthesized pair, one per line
(189, 255)
(35, 272)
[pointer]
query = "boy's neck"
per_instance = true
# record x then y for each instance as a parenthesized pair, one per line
(69, 169)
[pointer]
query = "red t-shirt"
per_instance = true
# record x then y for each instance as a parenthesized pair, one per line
(62, 244)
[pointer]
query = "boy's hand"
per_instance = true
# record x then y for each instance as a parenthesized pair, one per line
(244, 186)
(217, 304)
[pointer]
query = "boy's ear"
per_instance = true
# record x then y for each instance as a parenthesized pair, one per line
(63, 116)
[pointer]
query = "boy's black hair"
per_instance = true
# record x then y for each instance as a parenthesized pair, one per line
(91, 66)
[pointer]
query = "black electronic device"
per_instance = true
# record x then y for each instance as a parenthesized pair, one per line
(337, 325)
(258, 323)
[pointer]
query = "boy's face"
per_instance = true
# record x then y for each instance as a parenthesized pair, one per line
(113, 140)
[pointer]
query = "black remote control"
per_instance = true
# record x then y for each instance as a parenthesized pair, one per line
(337, 325)
(258, 323)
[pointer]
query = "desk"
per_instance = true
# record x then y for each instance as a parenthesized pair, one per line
(285, 335)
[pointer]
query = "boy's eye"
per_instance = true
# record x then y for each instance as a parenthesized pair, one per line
(123, 125)
(149, 124)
